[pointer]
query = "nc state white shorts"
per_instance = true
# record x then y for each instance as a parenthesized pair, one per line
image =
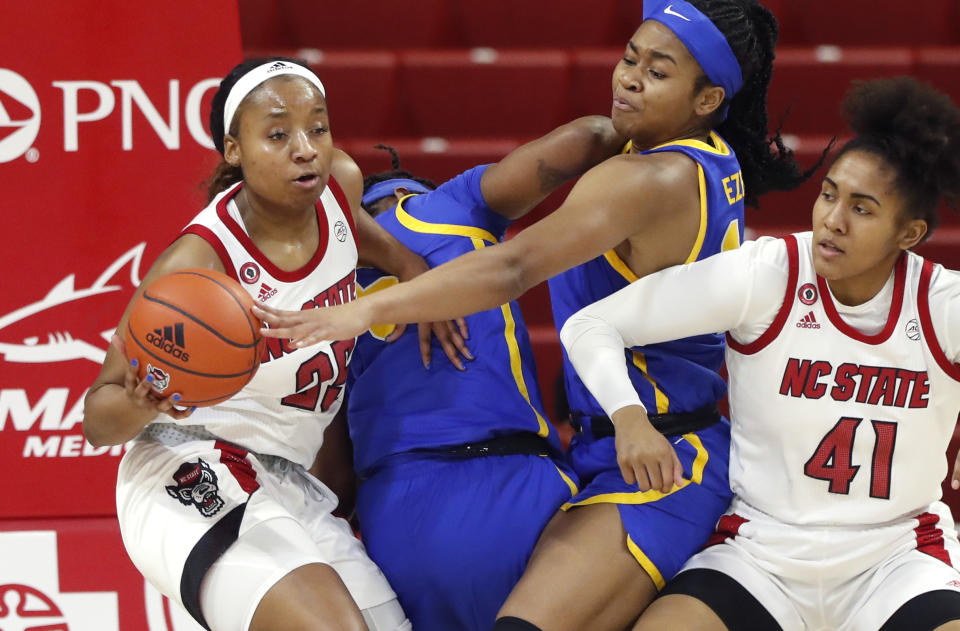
(836, 578)
(214, 527)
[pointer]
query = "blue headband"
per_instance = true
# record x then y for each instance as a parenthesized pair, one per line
(702, 38)
(386, 188)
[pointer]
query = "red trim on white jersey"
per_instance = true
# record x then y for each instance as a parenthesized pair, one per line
(240, 468)
(930, 538)
(777, 325)
(260, 257)
(208, 235)
(926, 322)
(341, 198)
(895, 306)
(727, 528)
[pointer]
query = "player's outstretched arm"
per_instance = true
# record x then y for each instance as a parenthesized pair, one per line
(616, 199)
(378, 248)
(521, 180)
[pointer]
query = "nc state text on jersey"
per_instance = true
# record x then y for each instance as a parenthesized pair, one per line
(873, 385)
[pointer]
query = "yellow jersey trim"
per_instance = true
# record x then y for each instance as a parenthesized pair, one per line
(619, 266)
(719, 147)
(663, 402)
(516, 367)
(702, 232)
(731, 239)
(566, 479)
(410, 222)
(644, 497)
(648, 566)
(624, 270)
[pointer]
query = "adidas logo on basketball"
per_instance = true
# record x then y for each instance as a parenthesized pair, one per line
(808, 322)
(266, 292)
(169, 339)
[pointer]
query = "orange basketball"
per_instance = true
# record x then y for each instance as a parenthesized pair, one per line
(193, 331)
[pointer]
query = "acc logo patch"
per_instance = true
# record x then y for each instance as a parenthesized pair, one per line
(913, 330)
(250, 273)
(196, 485)
(340, 231)
(807, 294)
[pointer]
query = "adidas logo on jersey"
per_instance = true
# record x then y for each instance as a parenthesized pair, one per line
(169, 339)
(808, 322)
(266, 292)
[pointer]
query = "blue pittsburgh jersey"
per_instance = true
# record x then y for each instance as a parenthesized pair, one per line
(395, 404)
(680, 375)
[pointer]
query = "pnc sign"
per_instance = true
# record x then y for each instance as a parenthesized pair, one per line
(86, 101)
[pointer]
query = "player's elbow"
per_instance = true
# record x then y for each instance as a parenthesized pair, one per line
(514, 274)
(575, 328)
(97, 428)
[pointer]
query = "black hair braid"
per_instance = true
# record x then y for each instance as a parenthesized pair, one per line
(226, 175)
(767, 164)
(916, 130)
(395, 173)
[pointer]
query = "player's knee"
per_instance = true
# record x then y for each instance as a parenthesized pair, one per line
(509, 623)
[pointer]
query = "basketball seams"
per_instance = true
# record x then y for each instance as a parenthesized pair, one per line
(177, 299)
(196, 320)
(181, 368)
(254, 333)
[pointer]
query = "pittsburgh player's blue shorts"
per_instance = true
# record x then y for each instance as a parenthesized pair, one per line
(663, 531)
(453, 536)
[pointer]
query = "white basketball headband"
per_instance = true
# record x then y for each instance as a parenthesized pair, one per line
(249, 82)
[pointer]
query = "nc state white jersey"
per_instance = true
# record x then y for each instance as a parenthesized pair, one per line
(295, 394)
(832, 426)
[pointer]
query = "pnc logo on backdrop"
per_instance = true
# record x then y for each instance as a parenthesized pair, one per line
(19, 115)
(20, 112)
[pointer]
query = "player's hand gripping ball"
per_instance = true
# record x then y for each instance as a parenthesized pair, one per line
(194, 332)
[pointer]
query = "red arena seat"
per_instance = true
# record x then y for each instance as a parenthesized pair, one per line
(811, 83)
(536, 23)
(484, 92)
(436, 159)
(262, 26)
(871, 23)
(941, 68)
(361, 88)
(373, 24)
(591, 78)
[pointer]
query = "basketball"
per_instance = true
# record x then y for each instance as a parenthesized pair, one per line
(193, 331)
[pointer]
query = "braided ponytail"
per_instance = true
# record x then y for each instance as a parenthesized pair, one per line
(767, 164)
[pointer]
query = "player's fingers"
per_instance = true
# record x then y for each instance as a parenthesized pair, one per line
(167, 404)
(130, 376)
(955, 481)
(643, 480)
(677, 469)
(424, 332)
(143, 388)
(398, 330)
(653, 472)
(119, 344)
(444, 334)
(666, 475)
(181, 413)
(457, 339)
(627, 472)
(462, 327)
